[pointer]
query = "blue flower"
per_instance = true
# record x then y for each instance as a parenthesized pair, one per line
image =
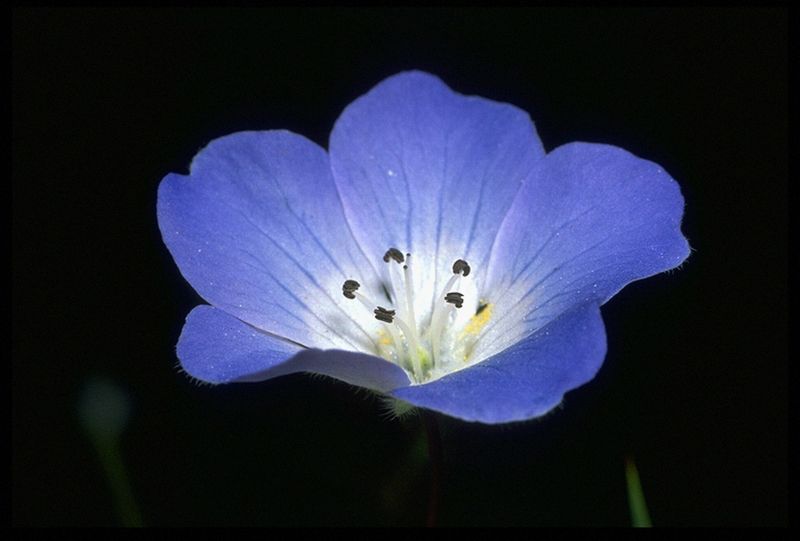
(435, 254)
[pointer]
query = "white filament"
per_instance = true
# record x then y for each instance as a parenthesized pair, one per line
(413, 345)
(408, 350)
(441, 313)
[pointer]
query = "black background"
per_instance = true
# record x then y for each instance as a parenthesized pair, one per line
(105, 103)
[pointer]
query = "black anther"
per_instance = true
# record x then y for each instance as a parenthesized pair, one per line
(456, 298)
(393, 253)
(382, 314)
(461, 267)
(349, 287)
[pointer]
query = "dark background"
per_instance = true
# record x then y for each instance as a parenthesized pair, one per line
(105, 103)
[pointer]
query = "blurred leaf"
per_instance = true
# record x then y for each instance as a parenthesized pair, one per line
(640, 517)
(103, 410)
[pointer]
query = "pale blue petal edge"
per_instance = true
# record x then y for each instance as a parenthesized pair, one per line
(218, 348)
(258, 229)
(525, 381)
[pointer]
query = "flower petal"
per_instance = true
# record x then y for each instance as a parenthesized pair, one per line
(524, 381)
(218, 348)
(590, 219)
(258, 229)
(427, 170)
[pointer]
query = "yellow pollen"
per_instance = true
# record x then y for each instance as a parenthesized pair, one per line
(478, 321)
(384, 338)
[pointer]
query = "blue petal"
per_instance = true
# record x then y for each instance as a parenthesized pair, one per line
(258, 229)
(590, 219)
(524, 381)
(427, 170)
(218, 348)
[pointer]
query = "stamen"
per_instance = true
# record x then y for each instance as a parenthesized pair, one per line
(349, 288)
(440, 312)
(409, 329)
(413, 345)
(382, 314)
(454, 297)
(440, 317)
(410, 297)
(388, 316)
(365, 301)
(434, 354)
(461, 267)
(393, 253)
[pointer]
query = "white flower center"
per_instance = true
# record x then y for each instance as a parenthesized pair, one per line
(431, 347)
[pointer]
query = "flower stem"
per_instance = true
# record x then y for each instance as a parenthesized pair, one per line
(435, 457)
(111, 459)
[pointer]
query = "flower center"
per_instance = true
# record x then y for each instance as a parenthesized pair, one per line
(428, 347)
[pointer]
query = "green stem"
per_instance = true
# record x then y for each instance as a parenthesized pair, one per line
(640, 517)
(110, 456)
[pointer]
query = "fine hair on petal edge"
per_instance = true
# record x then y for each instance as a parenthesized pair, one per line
(195, 381)
(393, 409)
